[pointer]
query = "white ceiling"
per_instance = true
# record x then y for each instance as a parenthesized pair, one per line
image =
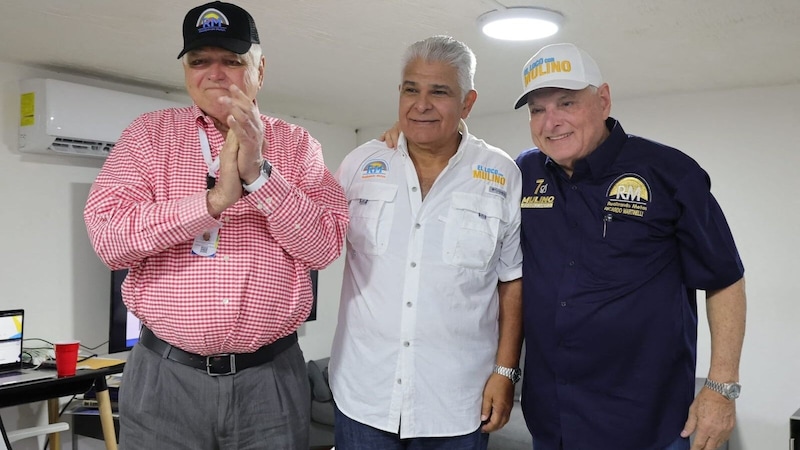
(337, 61)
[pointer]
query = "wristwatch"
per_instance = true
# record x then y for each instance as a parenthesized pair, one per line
(263, 177)
(512, 374)
(266, 169)
(730, 391)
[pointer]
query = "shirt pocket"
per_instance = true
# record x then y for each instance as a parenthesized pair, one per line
(371, 208)
(471, 231)
(621, 248)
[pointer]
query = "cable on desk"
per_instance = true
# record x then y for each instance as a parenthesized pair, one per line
(36, 358)
(52, 345)
(95, 347)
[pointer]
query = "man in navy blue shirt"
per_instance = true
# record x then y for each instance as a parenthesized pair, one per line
(618, 233)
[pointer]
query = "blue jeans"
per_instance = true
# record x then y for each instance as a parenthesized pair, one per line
(352, 435)
(680, 444)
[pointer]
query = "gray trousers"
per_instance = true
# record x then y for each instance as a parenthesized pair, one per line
(166, 405)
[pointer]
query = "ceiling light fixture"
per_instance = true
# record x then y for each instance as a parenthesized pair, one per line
(520, 23)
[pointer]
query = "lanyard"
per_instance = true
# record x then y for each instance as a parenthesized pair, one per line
(213, 165)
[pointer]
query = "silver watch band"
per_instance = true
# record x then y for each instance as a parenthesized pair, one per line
(512, 374)
(730, 390)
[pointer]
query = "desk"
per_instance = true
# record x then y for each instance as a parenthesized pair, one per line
(51, 389)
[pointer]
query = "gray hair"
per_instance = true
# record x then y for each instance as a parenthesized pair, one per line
(253, 56)
(447, 50)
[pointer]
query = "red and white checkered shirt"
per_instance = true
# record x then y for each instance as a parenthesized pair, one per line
(148, 204)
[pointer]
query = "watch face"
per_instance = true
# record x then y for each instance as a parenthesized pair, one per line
(266, 168)
(733, 390)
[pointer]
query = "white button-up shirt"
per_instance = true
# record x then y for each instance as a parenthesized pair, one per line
(418, 330)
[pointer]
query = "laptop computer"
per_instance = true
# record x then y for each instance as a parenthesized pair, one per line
(11, 369)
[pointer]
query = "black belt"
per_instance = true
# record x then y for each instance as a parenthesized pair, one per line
(217, 365)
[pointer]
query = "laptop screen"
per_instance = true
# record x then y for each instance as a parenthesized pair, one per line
(11, 339)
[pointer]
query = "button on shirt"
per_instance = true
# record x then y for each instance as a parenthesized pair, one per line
(613, 256)
(417, 333)
(148, 204)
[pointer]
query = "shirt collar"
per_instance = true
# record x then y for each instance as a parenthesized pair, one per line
(197, 112)
(202, 119)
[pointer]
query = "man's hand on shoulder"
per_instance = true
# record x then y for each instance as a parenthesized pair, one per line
(391, 137)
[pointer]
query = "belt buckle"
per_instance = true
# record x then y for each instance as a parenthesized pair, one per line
(231, 365)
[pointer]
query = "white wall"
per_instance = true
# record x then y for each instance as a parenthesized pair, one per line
(49, 267)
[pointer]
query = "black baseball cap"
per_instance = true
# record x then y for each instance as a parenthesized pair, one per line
(219, 24)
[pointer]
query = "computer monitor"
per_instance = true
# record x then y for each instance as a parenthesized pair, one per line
(123, 329)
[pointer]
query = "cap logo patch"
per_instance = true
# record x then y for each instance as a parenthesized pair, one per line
(544, 66)
(212, 20)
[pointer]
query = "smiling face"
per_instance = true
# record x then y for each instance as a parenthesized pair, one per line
(210, 71)
(568, 125)
(431, 105)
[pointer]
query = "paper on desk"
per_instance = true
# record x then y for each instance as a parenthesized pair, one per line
(99, 363)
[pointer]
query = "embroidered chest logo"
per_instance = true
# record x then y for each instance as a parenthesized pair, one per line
(629, 195)
(539, 199)
(489, 174)
(375, 168)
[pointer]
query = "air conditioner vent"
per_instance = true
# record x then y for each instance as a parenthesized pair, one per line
(80, 147)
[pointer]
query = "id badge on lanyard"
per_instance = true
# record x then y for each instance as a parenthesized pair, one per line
(207, 243)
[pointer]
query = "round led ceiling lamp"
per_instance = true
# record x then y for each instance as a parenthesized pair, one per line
(520, 23)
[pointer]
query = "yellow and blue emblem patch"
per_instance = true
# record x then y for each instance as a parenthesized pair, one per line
(489, 174)
(375, 168)
(212, 20)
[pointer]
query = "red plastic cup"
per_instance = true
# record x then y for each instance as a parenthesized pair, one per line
(66, 358)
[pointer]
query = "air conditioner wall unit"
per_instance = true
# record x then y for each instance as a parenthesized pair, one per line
(59, 117)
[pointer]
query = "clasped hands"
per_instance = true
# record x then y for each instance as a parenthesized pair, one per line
(241, 156)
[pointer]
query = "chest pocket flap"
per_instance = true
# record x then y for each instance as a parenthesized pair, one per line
(371, 207)
(472, 229)
(373, 191)
(490, 206)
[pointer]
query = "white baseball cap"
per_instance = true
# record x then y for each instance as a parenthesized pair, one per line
(558, 66)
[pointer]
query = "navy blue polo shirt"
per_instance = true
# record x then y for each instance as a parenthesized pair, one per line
(612, 259)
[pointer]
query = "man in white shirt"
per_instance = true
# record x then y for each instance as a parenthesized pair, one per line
(427, 347)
